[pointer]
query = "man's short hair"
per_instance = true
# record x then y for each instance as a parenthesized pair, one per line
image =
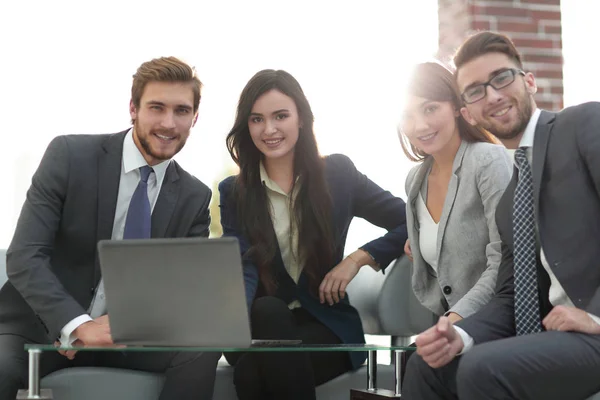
(164, 69)
(483, 43)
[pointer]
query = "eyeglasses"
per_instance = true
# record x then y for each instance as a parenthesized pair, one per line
(501, 80)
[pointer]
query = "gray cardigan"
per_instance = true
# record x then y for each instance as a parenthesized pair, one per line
(468, 243)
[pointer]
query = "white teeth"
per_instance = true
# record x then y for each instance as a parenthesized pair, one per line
(273, 141)
(165, 137)
(427, 137)
(501, 112)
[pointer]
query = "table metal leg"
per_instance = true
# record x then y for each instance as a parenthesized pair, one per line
(372, 392)
(34, 391)
(372, 370)
(399, 361)
(34, 372)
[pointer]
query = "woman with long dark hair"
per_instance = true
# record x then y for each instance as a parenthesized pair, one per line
(290, 209)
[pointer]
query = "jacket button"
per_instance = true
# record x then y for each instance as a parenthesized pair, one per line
(447, 290)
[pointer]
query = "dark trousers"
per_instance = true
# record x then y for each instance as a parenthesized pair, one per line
(547, 365)
(188, 375)
(285, 375)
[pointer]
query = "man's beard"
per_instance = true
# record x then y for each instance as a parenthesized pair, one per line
(524, 110)
(148, 149)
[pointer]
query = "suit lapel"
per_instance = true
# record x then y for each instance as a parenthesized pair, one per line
(540, 145)
(450, 196)
(109, 174)
(504, 210)
(165, 204)
(415, 189)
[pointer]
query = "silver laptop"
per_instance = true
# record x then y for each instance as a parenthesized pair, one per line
(175, 292)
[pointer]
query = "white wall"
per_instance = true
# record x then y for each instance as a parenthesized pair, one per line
(66, 67)
(580, 34)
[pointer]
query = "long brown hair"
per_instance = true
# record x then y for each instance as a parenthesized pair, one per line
(312, 208)
(433, 81)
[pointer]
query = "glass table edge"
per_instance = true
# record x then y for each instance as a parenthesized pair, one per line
(262, 348)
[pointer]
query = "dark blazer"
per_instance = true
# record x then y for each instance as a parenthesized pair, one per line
(566, 180)
(353, 195)
(52, 261)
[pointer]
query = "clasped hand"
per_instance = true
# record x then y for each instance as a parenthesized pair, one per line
(564, 318)
(439, 344)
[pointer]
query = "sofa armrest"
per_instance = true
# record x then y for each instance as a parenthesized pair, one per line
(386, 302)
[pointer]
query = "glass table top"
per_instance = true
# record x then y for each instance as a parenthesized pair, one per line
(257, 348)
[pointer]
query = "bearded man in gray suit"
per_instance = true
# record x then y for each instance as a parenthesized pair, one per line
(93, 187)
(539, 336)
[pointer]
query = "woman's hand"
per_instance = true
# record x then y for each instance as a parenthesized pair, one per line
(407, 250)
(333, 287)
(454, 317)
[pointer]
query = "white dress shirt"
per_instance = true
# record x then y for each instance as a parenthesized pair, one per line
(428, 233)
(281, 210)
(557, 294)
(130, 177)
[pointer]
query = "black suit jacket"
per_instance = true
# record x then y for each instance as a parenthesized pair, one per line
(52, 261)
(566, 179)
(353, 195)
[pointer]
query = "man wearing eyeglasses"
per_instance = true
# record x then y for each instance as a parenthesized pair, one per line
(539, 337)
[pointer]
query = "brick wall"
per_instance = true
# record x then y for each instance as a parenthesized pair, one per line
(534, 26)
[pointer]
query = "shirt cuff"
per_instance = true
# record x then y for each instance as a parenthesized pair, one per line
(468, 341)
(594, 318)
(66, 336)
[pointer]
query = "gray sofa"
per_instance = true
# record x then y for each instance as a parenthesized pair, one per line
(386, 305)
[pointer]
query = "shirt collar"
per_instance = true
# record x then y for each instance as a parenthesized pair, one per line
(133, 158)
(268, 182)
(529, 134)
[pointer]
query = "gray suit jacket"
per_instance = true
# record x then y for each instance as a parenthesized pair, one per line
(52, 261)
(468, 243)
(566, 190)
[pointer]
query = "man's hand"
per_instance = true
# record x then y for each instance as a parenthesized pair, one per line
(563, 318)
(103, 320)
(94, 333)
(333, 287)
(407, 250)
(439, 344)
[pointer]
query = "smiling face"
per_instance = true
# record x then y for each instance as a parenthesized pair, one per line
(504, 112)
(162, 123)
(274, 125)
(430, 125)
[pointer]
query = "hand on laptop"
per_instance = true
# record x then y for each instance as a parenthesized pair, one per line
(95, 333)
(439, 344)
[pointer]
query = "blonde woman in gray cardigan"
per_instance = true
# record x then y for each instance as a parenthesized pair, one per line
(452, 197)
